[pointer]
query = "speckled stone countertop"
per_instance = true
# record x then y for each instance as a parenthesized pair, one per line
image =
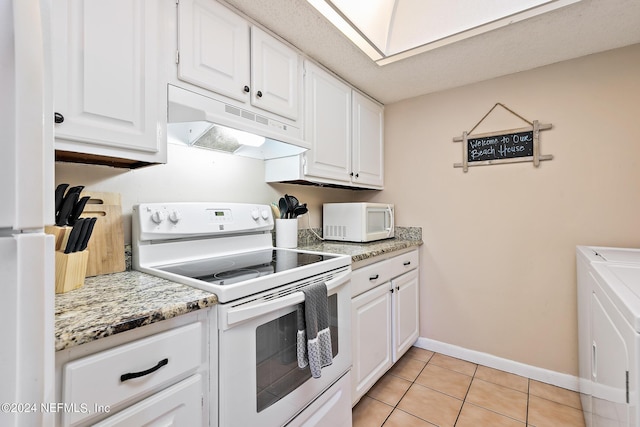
(405, 237)
(113, 303)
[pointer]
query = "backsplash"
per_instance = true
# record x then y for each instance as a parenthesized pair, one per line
(306, 237)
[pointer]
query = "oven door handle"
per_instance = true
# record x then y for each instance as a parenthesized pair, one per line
(241, 314)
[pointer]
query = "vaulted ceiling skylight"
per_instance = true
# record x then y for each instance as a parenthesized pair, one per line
(391, 30)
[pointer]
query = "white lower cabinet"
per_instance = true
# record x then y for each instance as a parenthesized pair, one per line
(156, 375)
(384, 316)
(179, 405)
(371, 336)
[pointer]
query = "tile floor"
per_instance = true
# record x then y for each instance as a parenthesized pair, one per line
(426, 389)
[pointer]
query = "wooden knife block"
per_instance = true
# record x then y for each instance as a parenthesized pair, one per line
(70, 270)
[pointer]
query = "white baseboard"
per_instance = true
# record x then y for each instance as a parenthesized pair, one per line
(567, 381)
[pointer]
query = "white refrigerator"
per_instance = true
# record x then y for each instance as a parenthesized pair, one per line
(27, 271)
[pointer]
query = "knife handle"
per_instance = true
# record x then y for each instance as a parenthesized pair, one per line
(85, 240)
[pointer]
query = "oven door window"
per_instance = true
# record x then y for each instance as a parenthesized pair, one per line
(277, 371)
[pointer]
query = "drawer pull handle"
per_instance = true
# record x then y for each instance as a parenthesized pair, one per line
(407, 263)
(374, 277)
(132, 375)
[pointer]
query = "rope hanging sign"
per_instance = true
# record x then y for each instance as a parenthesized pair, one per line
(507, 146)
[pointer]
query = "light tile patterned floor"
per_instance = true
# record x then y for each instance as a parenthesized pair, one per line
(426, 389)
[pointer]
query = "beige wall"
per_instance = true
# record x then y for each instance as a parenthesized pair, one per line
(498, 265)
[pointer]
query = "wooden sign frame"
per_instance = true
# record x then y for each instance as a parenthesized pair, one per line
(507, 142)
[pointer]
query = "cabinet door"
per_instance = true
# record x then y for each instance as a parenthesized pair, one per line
(611, 354)
(327, 125)
(368, 147)
(275, 72)
(406, 312)
(213, 44)
(371, 337)
(178, 405)
(109, 83)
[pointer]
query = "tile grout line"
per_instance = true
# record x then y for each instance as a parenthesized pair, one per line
(464, 399)
(405, 393)
(526, 419)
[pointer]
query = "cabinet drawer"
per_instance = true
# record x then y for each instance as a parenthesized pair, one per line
(178, 405)
(369, 277)
(100, 380)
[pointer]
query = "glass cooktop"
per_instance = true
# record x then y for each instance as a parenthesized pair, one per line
(230, 269)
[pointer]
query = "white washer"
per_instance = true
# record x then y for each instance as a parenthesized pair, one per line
(609, 335)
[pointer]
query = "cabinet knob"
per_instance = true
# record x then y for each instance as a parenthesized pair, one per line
(259, 94)
(246, 89)
(351, 174)
(58, 118)
(357, 175)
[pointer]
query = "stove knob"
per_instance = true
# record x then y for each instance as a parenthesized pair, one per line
(265, 214)
(255, 214)
(158, 217)
(175, 217)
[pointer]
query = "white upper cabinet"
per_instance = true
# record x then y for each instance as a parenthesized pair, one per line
(345, 129)
(109, 81)
(221, 52)
(327, 125)
(367, 142)
(275, 70)
(213, 43)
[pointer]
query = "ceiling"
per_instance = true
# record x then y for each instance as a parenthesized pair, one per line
(582, 28)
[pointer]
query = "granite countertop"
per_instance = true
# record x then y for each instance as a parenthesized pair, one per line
(405, 237)
(113, 303)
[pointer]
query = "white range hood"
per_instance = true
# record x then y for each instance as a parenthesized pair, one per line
(199, 120)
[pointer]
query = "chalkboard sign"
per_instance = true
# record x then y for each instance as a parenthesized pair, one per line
(497, 147)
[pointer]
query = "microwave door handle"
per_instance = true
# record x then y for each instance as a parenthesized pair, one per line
(240, 314)
(391, 221)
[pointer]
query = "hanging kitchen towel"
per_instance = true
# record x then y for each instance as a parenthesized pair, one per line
(314, 336)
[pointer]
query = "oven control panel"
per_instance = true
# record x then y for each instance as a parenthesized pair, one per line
(155, 221)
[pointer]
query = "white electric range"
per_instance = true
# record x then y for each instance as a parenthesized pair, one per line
(227, 249)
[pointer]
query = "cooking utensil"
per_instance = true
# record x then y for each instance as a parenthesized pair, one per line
(85, 241)
(73, 237)
(294, 202)
(77, 210)
(276, 210)
(284, 207)
(300, 210)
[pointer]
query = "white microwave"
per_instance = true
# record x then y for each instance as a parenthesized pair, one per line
(357, 222)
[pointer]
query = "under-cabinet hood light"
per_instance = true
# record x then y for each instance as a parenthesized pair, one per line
(202, 121)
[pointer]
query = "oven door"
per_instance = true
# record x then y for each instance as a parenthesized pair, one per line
(260, 383)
